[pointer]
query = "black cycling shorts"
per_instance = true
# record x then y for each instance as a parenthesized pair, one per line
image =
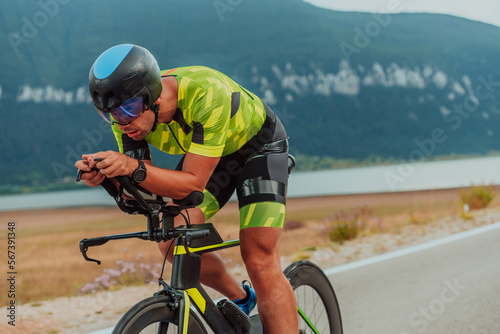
(258, 172)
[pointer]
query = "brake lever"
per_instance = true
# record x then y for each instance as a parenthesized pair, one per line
(86, 243)
(84, 248)
(84, 253)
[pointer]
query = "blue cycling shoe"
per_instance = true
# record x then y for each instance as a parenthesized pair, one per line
(248, 303)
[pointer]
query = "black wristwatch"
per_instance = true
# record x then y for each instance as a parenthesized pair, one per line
(140, 173)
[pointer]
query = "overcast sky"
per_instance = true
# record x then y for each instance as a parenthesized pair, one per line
(480, 10)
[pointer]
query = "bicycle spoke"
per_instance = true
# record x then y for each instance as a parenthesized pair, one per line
(303, 316)
(311, 310)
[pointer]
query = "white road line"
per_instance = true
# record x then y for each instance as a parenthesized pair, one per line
(411, 250)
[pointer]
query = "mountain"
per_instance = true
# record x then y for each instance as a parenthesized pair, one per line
(346, 85)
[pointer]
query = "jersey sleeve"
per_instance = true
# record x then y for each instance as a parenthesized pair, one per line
(211, 115)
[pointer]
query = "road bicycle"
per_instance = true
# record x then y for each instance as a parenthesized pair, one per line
(183, 306)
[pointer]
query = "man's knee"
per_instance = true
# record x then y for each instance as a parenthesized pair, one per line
(259, 261)
(260, 250)
(196, 216)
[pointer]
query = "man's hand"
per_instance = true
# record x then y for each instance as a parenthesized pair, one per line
(109, 163)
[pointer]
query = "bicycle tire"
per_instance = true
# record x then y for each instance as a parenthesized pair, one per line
(315, 299)
(145, 315)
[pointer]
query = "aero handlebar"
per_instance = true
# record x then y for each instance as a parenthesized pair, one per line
(151, 208)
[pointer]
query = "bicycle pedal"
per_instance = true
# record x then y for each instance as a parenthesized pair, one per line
(235, 316)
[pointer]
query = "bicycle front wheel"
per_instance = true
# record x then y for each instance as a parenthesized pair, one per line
(316, 301)
(154, 315)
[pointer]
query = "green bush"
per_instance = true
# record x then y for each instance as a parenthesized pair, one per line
(345, 225)
(477, 197)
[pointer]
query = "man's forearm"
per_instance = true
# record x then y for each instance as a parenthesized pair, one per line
(170, 183)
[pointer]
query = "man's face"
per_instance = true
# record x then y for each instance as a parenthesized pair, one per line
(140, 128)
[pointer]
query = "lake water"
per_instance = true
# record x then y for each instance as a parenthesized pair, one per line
(362, 180)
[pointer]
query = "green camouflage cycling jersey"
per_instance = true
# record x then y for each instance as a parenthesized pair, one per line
(215, 115)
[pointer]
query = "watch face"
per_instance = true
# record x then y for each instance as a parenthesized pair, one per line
(139, 175)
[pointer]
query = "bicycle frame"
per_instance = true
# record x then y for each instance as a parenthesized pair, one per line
(185, 275)
(186, 278)
(191, 243)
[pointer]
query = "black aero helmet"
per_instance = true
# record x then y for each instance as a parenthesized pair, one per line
(124, 72)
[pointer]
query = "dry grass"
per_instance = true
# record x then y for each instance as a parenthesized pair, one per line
(477, 197)
(50, 265)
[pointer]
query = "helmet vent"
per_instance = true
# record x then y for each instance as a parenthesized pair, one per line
(109, 100)
(97, 100)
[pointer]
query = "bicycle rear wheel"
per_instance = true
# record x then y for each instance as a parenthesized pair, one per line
(316, 301)
(153, 315)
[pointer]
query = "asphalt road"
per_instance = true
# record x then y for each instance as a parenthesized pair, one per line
(449, 288)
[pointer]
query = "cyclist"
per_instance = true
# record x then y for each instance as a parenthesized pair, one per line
(230, 139)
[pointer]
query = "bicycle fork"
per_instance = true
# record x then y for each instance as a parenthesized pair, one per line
(184, 309)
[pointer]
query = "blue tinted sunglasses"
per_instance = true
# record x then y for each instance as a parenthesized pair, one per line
(124, 114)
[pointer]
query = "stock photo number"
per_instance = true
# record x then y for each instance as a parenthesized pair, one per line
(11, 273)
